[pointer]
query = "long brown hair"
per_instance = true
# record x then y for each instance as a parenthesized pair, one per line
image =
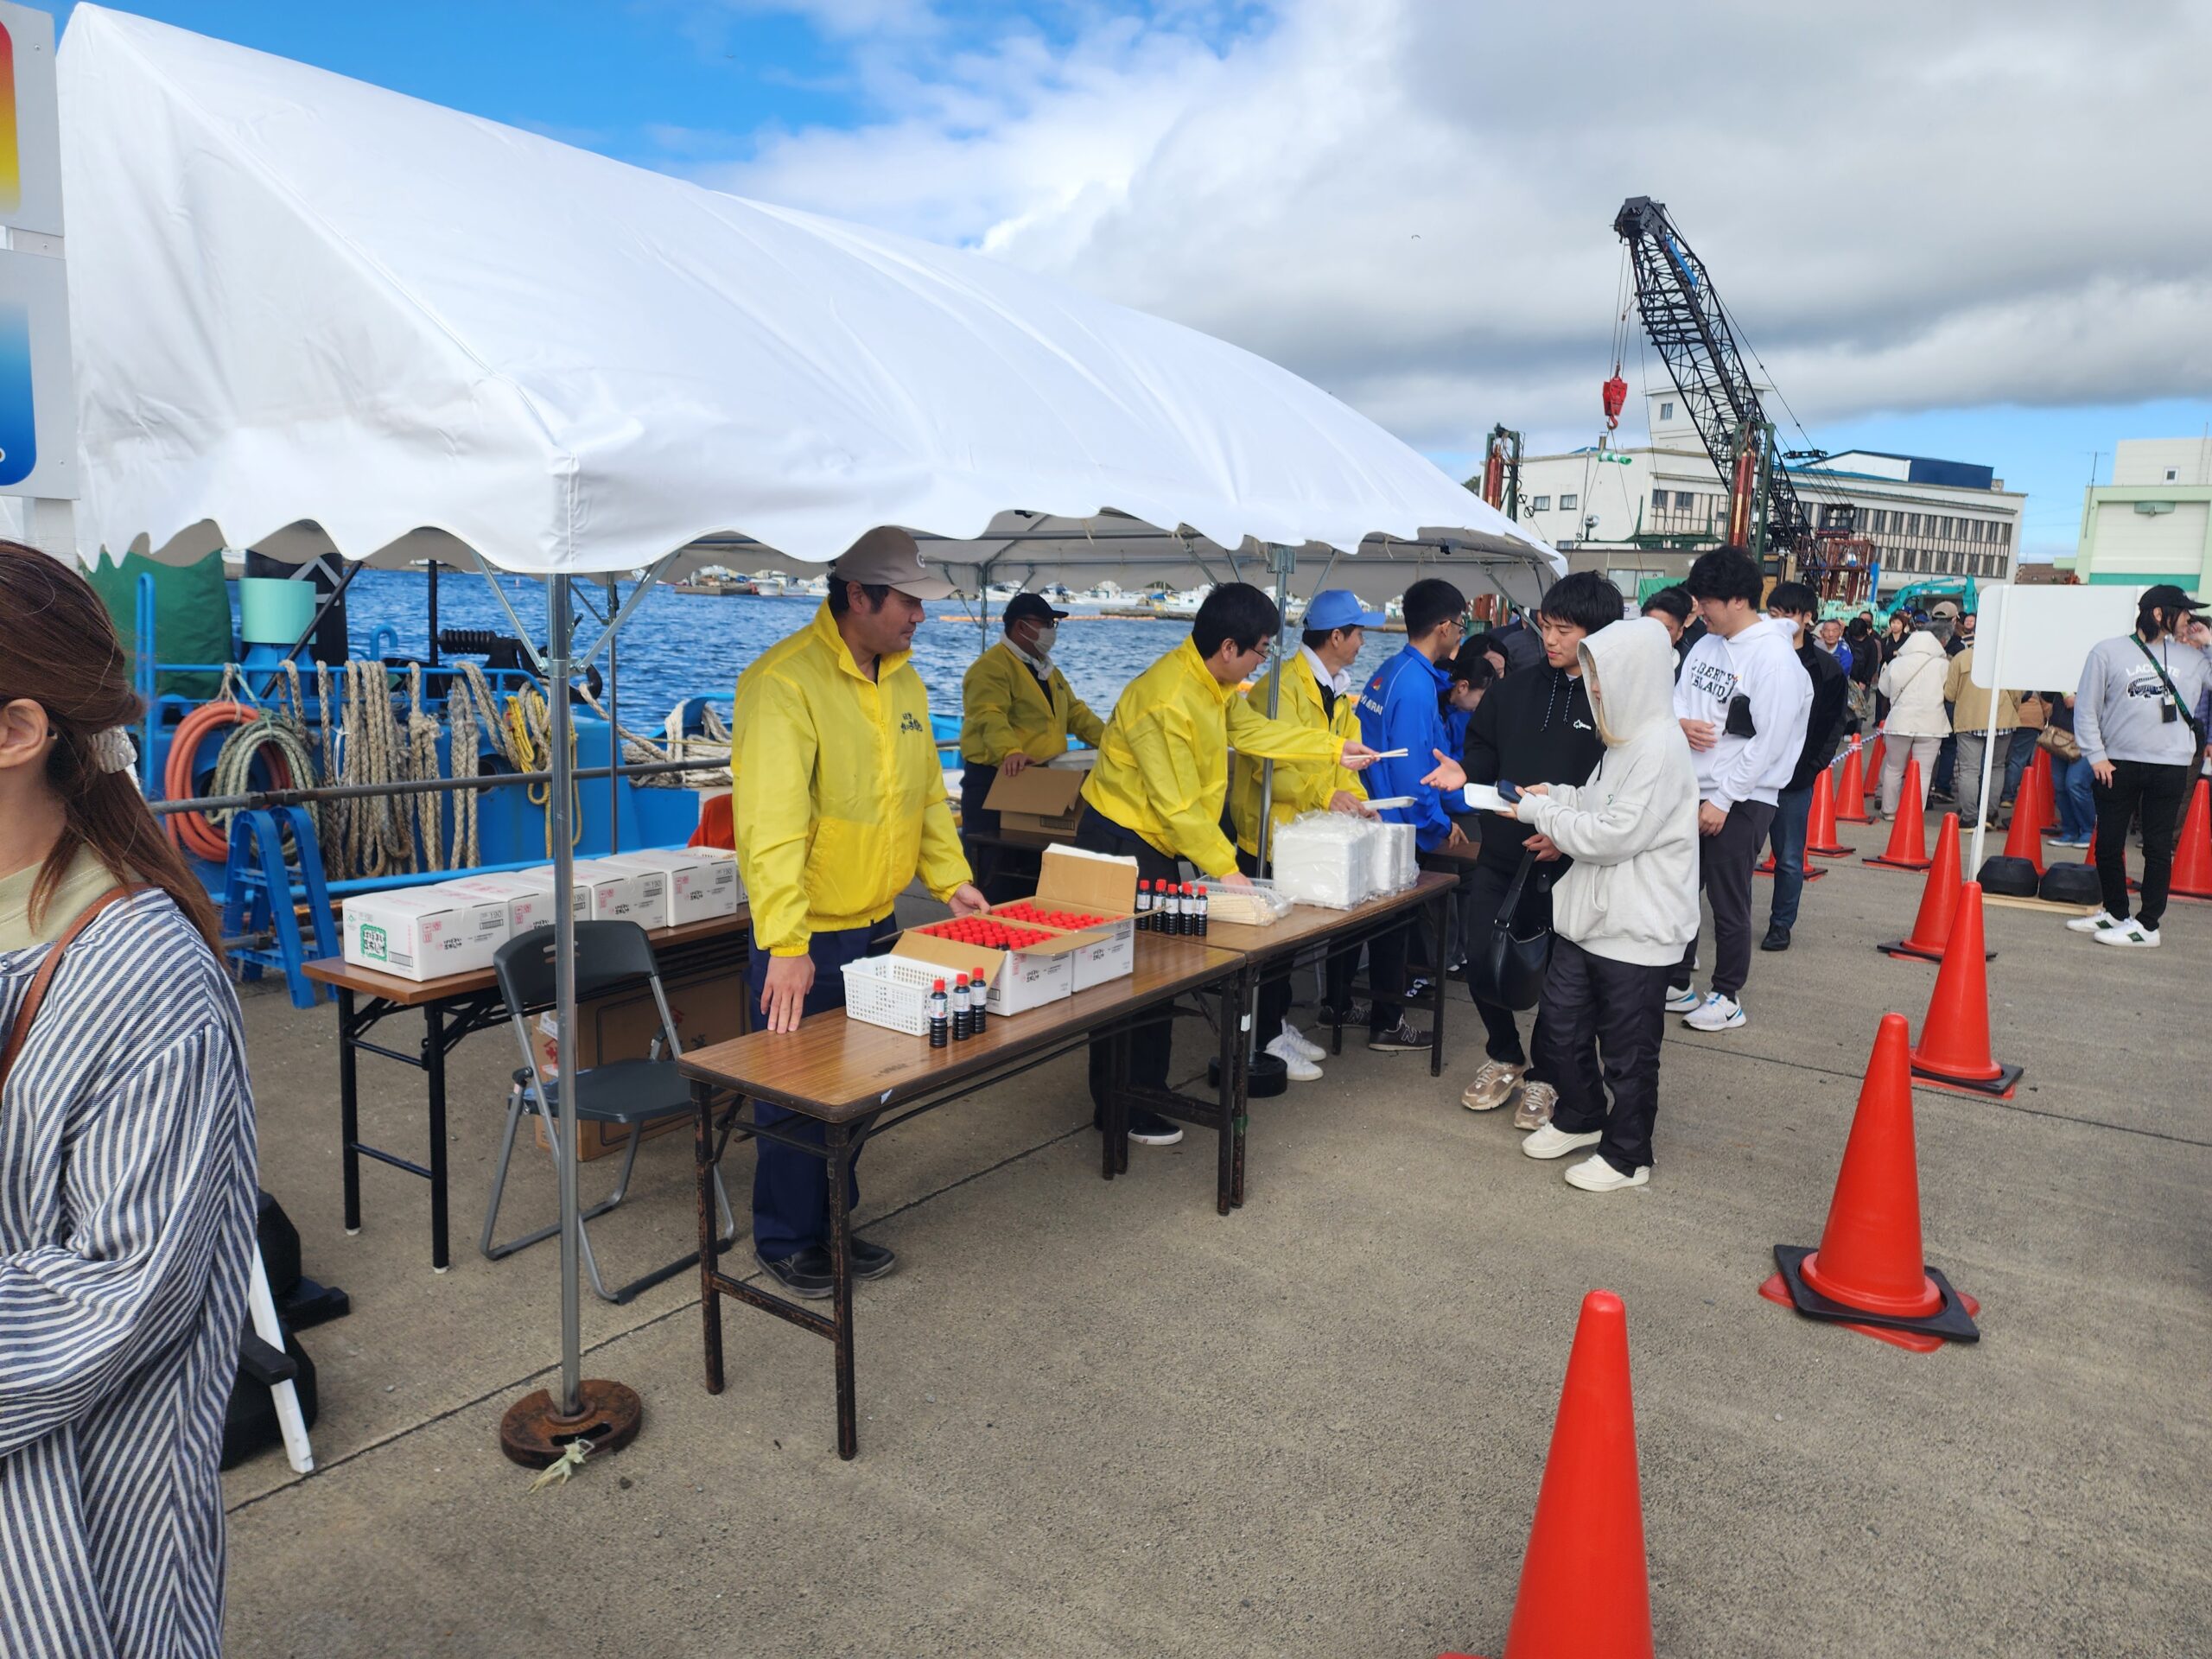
(57, 649)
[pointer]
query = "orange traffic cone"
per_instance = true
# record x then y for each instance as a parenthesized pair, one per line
(2193, 856)
(1851, 789)
(2041, 764)
(1765, 867)
(1954, 1045)
(1908, 848)
(1583, 1586)
(1939, 900)
(1868, 1273)
(1820, 828)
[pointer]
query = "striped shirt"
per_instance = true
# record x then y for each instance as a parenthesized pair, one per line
(126, 1228)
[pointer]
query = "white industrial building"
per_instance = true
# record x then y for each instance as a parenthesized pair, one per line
(2153, 522)
(1608, 510)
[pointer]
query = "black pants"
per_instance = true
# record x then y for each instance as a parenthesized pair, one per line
(1484, 887)
(1599, 1030)
(2158, 795)
(1386, 977)
(1723, 871)
(1003, 874)
(1151, 1045)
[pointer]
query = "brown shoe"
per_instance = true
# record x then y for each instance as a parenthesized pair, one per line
(1492, 1087)
(1537, 1100)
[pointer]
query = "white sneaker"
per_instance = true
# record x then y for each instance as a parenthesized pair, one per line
(1551, 1141)
(1305, 1045)
(1717, 1013)
(1302, 1069)
(1680, 999)
(2095, 922)
(2131, 932)
(1594, 1174)
(1492, 1087)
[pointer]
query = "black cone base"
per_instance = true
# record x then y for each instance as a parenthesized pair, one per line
(1951, 1322)
(2015, 878)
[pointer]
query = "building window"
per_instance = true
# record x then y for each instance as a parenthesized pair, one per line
(1568, 503)
(1685, 501)
(1542, 504)
(1666, 413)
(1659, 500)
(2172, 473)
(2006, 536)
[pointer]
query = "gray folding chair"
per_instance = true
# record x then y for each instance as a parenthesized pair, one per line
(635, 1094)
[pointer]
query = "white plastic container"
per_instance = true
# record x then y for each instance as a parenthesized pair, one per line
(1255, 904)
(1319, 858)
(892, 992)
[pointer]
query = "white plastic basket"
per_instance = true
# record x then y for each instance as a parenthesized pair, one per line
(1225, 899)
(891, 992)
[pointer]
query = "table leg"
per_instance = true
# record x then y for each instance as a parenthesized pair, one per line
(710, 1299)
(1115, 1068)
(1441, 920)
(434, 1062)
(838, 1137)
(349, 1111)
(1238, 1105)
(1236, 1043)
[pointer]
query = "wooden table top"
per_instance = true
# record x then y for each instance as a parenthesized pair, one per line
(834, 1068)
(414, 993)
(1307, 923)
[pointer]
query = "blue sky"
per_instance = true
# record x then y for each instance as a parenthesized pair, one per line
(1409, 202)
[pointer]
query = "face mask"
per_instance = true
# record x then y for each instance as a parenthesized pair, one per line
(1047, 637)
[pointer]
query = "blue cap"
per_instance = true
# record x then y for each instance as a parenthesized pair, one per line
(1338, 608)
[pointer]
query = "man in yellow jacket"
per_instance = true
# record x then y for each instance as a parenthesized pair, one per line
(1156, 793)
(838, 802)
(1318, 694)
(1017, 711)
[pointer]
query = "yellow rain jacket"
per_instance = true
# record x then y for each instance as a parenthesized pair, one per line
(1301, 786)
(1163, 764)
(838, 800)
(1004, 710)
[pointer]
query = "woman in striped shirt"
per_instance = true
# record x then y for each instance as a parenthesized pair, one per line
(126, 1164)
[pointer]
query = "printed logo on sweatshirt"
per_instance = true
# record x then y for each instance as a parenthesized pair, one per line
(2145, 682)
(907, 722)
(1708, 677)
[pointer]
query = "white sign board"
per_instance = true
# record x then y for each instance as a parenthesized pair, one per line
(2037, 638)
(38, 401)
(30, 123)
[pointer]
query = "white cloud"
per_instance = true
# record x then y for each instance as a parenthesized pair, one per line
(1905, 206)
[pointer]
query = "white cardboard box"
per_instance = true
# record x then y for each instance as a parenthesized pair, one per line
(422, 933)
(614, 893)
(529, 898)
(1096, 884)
(700, 887)
(1019, 980)
(651, 904)
(724, 855)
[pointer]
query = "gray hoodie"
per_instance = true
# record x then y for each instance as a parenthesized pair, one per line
(1632, 829)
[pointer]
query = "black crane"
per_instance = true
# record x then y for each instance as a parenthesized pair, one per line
(1687, 322)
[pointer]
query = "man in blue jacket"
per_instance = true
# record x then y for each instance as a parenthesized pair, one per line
(1401, 708)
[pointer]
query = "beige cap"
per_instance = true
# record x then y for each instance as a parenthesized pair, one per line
(888, 557)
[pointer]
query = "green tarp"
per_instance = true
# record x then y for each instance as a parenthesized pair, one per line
(191, 615)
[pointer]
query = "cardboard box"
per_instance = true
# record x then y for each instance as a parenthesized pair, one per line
(1096, 884)
(707, 1007)
(650, 906)
(529, 899)
(421, 933)
(1042, 803)
(1018, 980)
(614, 893)
(719, 857)
(700, 886)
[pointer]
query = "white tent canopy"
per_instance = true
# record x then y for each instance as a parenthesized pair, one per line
(310, 311)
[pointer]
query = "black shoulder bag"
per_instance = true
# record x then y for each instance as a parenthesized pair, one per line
(1507, 966)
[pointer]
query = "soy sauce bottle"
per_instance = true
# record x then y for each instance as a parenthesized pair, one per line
(960, 1032)
(939, 1016)
(1144, 906)
(979, 995)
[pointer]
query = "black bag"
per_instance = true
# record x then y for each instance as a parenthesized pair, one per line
(1506, 968)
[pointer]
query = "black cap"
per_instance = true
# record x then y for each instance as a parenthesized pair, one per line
(1031, 607)
(2167, 597)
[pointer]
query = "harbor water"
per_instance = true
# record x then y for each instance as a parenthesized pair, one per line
(678, 646)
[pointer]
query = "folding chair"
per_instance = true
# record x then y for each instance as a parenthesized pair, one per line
(635, 1094)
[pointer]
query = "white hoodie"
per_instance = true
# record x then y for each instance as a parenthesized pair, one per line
(1760, 664)
(1913, 681)
(1631, 830)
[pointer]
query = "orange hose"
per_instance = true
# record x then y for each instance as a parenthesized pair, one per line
(190, 827)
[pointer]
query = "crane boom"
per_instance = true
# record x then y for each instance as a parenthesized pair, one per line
(1684, 318)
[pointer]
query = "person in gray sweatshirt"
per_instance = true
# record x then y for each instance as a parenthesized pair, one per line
(1623, 914)
(2140, 717)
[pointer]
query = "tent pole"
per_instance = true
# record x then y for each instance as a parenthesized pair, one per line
(560, 625)
(538, 1429)
(613, 722)
(1284, 561)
